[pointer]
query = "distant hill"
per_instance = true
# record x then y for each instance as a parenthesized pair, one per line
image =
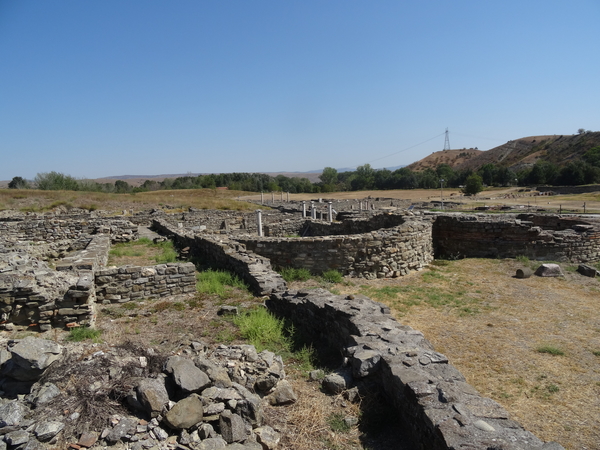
(516, 155)
(453, 158)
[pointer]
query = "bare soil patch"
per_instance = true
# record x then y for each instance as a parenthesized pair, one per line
(491, 326)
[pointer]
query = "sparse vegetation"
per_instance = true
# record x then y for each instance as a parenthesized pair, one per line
(550, 349)
(290, 274)
(332, 276)
(218, 282)
(79, 334)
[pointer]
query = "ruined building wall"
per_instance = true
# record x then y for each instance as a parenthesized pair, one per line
(49, 230)
(381, 253)
(123, 284)
(227, 254)
(441, 410)
(482, 236)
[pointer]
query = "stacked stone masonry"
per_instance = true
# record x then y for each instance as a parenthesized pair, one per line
(538, 237)
(387, 252)
(227, 254)
(441, 410)
(123, 284)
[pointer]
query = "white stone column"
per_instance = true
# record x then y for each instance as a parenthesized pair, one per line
(304, 210)
(330, 212)
(259, 222)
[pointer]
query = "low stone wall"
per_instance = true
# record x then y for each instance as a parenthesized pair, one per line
(569, 189)
(482, 236)
(382, 253)
(123, 284)
(53, 229)
(432, 396)
(93, 257)
(34, 296)
(227, 254)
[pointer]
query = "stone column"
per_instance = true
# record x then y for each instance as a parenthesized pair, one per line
(262, 198)
(259, 222)
(330, 212)
(304, 210)
(313, 211)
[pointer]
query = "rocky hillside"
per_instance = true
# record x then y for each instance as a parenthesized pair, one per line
(517, 154)
(453, 158)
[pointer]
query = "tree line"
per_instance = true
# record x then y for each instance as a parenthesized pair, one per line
(585, 170)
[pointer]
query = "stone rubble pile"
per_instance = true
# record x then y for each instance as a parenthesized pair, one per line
(88, 397)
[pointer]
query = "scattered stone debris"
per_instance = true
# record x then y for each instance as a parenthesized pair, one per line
(549, 270)
(524, 273)
(587, 271)
(92, 396)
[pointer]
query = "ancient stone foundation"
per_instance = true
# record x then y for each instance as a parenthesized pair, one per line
(538, 237)
(123, 284)
(436, 404)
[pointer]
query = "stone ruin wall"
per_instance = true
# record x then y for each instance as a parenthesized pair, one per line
(123, 284)
(538, 237)
(39, 297)
(433, 398)
(387, 252)
(227, 254)
(437, 405)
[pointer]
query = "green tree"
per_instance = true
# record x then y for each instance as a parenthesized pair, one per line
(18, 183)
(473, 184)
(329, 176)
(365, 178)
(122, 186)
(55, 181)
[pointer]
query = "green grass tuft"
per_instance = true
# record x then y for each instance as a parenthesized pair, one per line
(290, 274)
(79, 334)
(263, 330)
(332, 276)
(550, 349)
(216, 282)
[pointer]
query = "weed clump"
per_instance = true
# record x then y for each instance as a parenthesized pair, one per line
(217, 281)
(290, 274)
(79, 334)
(332, 276)
(550, 349)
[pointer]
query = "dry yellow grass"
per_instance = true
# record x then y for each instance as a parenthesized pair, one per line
(175, 200)
(491, 326)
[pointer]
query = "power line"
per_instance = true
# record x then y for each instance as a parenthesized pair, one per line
(478, 137)
(406, 149)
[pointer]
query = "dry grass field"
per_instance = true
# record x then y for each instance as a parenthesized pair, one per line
(533, 345)
(30, 200)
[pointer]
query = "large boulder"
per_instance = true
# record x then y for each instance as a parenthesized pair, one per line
(30, 357)
(152, 395)
(188, 378)
(549, 270)
(185, 413)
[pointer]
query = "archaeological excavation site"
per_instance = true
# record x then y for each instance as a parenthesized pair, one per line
(54, 276)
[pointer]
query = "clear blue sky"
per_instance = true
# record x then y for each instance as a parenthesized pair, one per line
(112, 87)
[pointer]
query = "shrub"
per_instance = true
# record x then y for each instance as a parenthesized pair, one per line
(263, 330)
(332, 276)
(79, 334)
(290, 274)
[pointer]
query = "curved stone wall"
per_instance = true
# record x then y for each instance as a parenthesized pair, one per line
(390, 252)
